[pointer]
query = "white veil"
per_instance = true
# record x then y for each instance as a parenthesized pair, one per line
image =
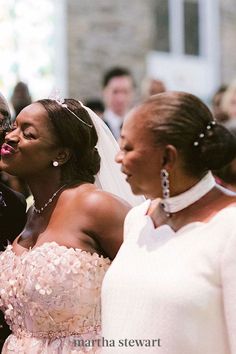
(110, 178)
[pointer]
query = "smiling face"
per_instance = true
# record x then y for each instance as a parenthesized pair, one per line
(140, 159)
(31, 146)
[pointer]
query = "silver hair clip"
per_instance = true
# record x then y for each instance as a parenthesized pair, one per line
(203, 134)
(61, 101)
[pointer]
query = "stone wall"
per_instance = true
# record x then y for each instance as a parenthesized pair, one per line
(228, 40)
(103, 33)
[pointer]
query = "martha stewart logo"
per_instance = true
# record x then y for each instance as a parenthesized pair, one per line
(104, 342)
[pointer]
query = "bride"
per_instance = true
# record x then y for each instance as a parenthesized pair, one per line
(51, 276)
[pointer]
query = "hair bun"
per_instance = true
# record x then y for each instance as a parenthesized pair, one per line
(217, 148)
(94, 162)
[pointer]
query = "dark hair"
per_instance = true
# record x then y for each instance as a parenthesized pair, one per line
(95, 104)
(115, 72)
(228, 173)
(81, 139)
(178, 118)
(20, 97)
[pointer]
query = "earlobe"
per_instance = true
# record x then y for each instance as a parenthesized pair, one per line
(169, 157)
(164, 161)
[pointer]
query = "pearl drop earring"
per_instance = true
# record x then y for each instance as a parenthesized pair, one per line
(55, 163)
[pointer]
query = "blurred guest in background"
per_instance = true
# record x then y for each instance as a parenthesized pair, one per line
(217, 110)
(151, 86)
(20, 97)
(118, 94)
(229, 101)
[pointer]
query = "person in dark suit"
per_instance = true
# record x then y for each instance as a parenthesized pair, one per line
(12, 215)
(12, 207)
(118, 93)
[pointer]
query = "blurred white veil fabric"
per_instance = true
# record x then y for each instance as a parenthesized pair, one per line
(110, 178)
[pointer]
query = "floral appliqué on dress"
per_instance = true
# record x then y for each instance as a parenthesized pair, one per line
(51, 299)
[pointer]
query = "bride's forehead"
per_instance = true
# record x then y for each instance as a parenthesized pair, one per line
(34, 111)
(35, 108)
(36, 116)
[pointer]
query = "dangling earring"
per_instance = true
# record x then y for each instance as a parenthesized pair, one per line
(55, 163)
(165, 184)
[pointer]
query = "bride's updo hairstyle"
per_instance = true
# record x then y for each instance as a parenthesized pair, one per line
(74, 129)
(184, 121)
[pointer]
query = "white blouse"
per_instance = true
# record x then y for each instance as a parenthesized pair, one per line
(171, 292)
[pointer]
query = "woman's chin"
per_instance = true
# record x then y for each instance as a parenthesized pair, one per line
(135, 189)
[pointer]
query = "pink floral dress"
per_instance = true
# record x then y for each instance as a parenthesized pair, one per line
(51, 299)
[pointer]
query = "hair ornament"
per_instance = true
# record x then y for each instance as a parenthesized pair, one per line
(209, 126)
(55, 96)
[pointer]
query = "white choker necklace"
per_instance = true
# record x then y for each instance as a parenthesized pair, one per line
(183, 200)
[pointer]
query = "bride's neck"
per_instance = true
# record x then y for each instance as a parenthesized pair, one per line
(43, 188)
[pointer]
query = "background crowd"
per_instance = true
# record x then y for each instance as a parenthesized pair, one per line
(118, 95)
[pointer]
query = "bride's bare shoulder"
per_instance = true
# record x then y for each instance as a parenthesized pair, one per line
(92, 198)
